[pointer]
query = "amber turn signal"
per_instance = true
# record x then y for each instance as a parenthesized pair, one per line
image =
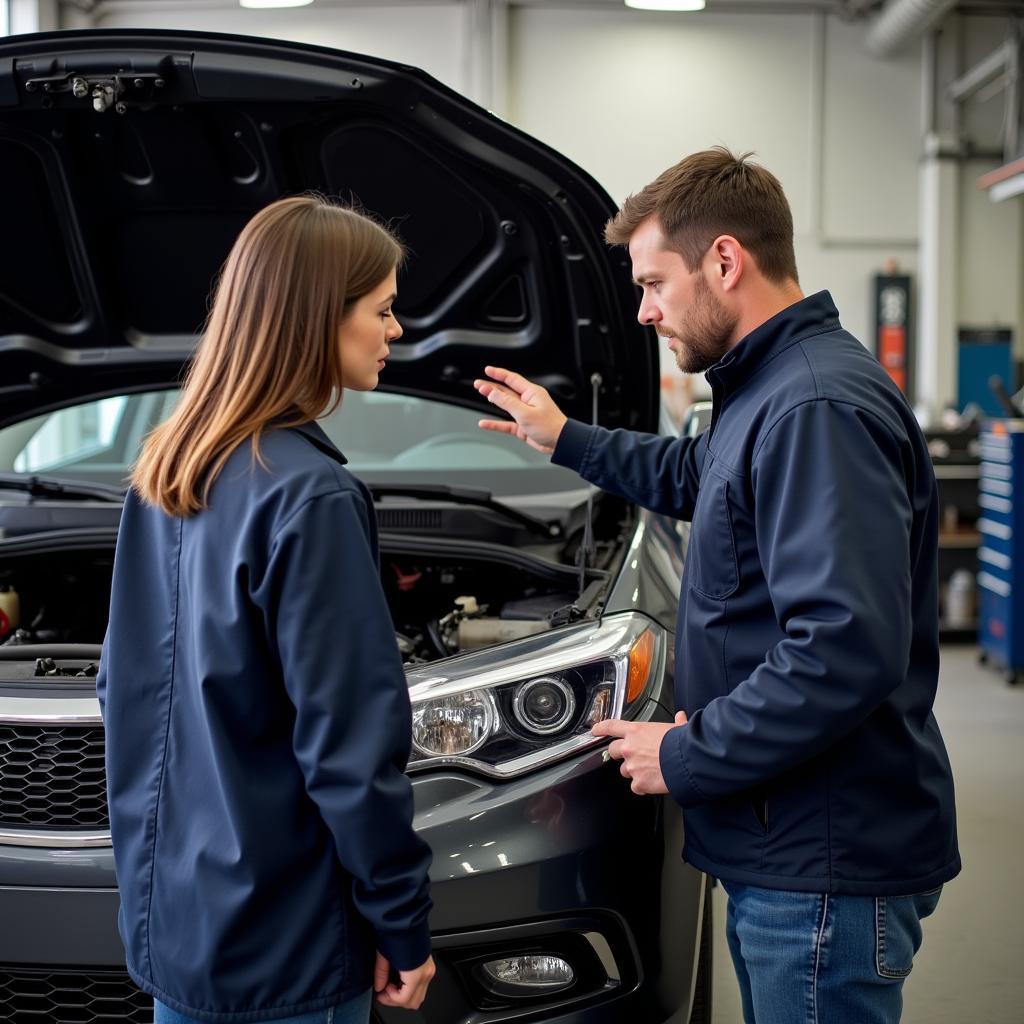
(641, 658)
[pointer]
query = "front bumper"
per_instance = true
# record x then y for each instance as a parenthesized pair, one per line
(566, 860)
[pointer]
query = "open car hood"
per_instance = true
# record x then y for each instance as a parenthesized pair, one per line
(116, 221)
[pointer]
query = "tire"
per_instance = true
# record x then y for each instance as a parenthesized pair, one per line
(700, 1013)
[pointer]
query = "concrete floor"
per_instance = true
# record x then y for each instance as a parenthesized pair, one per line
(971, 967)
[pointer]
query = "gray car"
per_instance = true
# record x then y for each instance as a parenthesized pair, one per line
(526, 604)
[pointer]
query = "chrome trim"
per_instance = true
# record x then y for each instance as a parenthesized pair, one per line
(53, 840)
(50, 710)
(599, 944)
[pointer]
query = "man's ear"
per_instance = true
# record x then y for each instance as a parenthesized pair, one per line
(728, 261)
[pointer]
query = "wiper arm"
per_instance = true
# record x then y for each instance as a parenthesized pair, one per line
(467, 496)
(52, 487)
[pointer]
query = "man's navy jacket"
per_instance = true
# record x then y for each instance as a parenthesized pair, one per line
(807, 643)
(258, 726)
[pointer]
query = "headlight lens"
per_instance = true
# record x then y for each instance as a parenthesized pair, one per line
(452, 725)
(507, 710)
(543, 706)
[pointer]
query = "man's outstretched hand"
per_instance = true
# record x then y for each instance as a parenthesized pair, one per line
(535, 417)
(638, 746)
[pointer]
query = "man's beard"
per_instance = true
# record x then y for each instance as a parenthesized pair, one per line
(706, 332)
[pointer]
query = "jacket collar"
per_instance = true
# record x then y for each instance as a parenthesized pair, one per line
(814, 314)
(316, 436)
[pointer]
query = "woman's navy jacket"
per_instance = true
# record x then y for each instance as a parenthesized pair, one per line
(258, 726)
(807, 643)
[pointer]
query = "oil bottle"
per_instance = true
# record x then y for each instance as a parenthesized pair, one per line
(10, 610)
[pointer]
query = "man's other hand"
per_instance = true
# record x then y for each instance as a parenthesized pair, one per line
(638, 746)
(409, 991)
(535, 417)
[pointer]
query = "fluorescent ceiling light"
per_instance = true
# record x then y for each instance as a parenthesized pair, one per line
(262, 4)
(666, 5)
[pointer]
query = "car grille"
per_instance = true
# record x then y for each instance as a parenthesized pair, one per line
(71, 997)
(52, 776)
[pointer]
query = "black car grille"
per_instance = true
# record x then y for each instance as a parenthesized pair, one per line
(71, 997)
(52, 776)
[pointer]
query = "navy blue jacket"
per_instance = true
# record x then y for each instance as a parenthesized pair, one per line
(807, 643)
(258, 726)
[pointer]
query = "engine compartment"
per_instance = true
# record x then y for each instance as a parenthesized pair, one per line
(441, 603)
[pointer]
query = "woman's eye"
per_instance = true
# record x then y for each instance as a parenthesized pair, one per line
(385, 312)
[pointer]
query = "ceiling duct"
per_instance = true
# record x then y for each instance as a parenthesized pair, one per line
(902, 21)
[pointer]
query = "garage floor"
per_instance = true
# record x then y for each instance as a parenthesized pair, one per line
(971, 967)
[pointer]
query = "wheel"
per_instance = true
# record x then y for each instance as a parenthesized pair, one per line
(700, 1013)
(1012, 677)
(982, 657)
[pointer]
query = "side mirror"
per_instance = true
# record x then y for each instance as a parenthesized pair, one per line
(696, 420)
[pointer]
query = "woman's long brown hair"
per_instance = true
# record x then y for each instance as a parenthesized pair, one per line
(270, 350)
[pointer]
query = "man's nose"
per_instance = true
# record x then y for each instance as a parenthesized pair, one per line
(648, 313)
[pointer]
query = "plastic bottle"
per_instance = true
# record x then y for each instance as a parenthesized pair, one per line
(10, 610)
(960, 600)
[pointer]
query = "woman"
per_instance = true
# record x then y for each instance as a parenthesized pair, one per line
(257, 716)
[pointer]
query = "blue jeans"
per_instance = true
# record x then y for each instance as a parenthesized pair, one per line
(815, 958)
(355, 1011)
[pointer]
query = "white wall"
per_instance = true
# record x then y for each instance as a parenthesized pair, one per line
(432, 36)
(991, 285)
(628, 93)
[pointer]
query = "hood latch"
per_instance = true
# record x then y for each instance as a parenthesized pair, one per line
(105, 91)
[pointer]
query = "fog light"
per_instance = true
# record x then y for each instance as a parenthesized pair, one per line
(532, 975)
(452, 726)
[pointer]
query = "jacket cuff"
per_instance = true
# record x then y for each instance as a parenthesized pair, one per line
(406, 950)
(677, 776)
(571, 447)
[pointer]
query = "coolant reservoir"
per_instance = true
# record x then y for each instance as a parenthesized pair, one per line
(484, 631)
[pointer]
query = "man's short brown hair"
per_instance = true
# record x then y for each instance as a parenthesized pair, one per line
(714, 193)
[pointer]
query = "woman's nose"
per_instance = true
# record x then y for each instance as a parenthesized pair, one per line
(395, 329)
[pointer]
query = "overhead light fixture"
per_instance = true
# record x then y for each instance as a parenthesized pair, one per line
(265, 4)
(666, 5)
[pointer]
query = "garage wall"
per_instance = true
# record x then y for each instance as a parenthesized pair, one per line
(638, 91)
(991, 289)
(433, 36)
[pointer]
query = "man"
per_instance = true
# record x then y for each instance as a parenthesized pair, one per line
(806, 758)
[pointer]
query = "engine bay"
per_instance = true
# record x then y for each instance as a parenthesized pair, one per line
(441, 604)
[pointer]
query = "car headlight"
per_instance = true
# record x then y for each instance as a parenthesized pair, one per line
(510, 709)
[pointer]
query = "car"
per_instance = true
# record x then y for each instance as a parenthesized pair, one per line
(527, 604)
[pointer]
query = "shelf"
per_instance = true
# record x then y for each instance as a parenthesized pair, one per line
(960, 539)
(964, 472)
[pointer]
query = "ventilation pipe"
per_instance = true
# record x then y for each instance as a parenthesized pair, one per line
(902, 21)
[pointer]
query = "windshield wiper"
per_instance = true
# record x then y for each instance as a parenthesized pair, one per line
(66, 490)
(467, 496)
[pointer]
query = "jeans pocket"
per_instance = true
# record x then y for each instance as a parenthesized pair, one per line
(898, 930)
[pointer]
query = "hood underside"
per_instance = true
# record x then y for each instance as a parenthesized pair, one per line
(130, 160)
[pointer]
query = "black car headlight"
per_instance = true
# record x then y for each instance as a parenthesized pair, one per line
(510, 709)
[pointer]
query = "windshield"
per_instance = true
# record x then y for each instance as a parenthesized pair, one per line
(397, 439)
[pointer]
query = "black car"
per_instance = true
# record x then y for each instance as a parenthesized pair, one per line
(526, 604)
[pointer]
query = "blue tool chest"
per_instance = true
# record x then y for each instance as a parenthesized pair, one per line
(1001, 551)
